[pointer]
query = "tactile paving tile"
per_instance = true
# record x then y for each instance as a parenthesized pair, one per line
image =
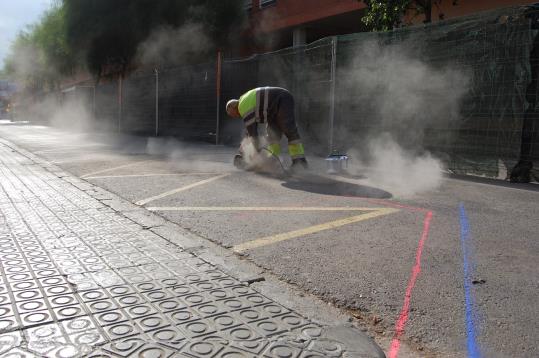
(124, 347)
(242, 333)
(19, 353)
(205, 348)
(110, 317)
(9, 341)
(78, 279)
(182, 316)
(44, 339)
(8, 324)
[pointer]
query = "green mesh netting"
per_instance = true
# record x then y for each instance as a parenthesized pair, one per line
(464, 89)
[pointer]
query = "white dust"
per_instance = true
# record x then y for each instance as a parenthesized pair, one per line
(402, 96)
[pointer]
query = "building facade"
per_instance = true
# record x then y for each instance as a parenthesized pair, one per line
(447, 9)
(275, 24)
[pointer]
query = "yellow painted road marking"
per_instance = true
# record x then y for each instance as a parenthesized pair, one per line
(183, 188)
(111, 169)
(146, 175)
(254, 208)
(270, 240)
(69, 147)
(372, 213)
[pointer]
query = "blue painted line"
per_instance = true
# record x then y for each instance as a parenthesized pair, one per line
(471, 324)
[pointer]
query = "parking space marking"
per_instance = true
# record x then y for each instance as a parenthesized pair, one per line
(372, 213)
(183, 188)
(67, 147)
(146, 175)
(270, 240)
(115, 168)
(268, 208)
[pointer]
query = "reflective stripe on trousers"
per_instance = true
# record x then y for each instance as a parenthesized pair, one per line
(296, 150)
(262, 99)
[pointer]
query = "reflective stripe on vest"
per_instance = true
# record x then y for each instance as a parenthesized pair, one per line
(253, 106)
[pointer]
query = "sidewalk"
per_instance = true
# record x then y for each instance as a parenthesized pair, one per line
(79, 278)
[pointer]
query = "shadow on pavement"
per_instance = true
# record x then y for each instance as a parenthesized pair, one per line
(327, 186)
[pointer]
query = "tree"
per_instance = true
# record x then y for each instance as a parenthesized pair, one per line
(104, 36)
(39, 56)
(109, 33)
(387, 15)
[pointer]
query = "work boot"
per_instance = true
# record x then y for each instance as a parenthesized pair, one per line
(299, 163)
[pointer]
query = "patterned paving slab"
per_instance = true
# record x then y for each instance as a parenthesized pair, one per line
(78, 279)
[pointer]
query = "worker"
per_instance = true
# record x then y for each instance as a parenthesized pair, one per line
(273, 106)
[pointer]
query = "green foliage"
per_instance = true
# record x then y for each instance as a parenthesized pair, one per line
(109, 32)
(387, 15)
(103, 36)
(40, 55)
(384, 15)
(50, 36)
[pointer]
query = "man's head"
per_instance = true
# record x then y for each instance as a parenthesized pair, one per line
(232, 108)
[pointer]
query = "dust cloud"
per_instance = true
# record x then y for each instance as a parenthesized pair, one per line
(251, 156)
(62, 111)
(390, 167)
(167, 46)
(25, 62)
(40, 99)
(73, 115)
(397, 97)
(193, 157)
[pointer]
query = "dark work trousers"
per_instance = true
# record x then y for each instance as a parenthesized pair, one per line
(281, 118)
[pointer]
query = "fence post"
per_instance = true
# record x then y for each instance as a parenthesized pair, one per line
(332, 91)
(218, 96)
(120, 101)
(156, 102)
(94, 114)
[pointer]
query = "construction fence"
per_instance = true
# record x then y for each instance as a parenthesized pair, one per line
(465, 90)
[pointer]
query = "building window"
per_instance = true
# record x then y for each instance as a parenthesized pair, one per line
(266, 3)
(248, 4)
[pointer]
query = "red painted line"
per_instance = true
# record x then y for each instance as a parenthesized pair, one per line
(388, 203)
(396, 204)
(405, 311)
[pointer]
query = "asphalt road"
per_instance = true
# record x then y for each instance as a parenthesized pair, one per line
(450, 272)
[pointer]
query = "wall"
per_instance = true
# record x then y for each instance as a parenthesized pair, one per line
(272, 27)
(289, 13)
(448, 10)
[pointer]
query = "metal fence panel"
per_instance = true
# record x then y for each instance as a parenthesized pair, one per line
(107, 106)
(187, 102)
(237, 77)
(138, 104)
(493, 50)
(494, 57)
